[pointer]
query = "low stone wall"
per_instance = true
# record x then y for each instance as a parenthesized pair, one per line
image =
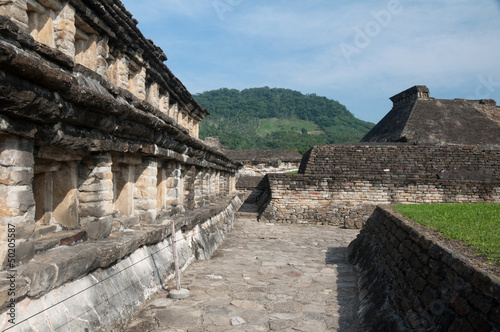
(408, 282)
(299, 198)
(113, 277)
(341, 184)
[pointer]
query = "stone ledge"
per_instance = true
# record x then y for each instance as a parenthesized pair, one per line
(55, 267)
(63, 238)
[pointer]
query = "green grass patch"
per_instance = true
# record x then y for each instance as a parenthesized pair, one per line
(477, 225)
(292, 172)
(268, 126)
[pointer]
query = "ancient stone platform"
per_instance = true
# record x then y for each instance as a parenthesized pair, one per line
(264, 277)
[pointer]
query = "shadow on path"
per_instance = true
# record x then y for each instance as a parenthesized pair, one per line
(347, 292)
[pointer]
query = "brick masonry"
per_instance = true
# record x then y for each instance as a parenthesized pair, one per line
(341, 184)
(409, 282)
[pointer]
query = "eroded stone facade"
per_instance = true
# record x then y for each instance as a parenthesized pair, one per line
(98, 140)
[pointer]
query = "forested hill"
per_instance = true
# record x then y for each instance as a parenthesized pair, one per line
(265, 118)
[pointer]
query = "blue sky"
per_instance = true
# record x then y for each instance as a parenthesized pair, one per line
(357, 52)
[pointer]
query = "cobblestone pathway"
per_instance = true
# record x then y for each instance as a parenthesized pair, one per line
(264, 277)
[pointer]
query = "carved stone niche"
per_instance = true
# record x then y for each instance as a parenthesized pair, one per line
(137, 79)
(52, 23)
(16, 10)
(153, 93)
(41, 21)
(168, 186)
(56, 193)
(123, 188)
(86, 45)
(55, 187)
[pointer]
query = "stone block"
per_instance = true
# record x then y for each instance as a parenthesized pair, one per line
(482, 281)
(44, 244)
(58, 154)
(24, 250)
(93, 186)
(12, 286)
(42, 277)
(460, 325)
(64, 259)
(156, 234)
(63, 238)
(16, 200)
(16, 151)
(480, 302)
(419, 284)
(16, 176)
(147, 192)
(118, 245)
(87, 197)
(96, 209)
(495, 314)
(128, 159)
(148, 217)
(480, 323)
(435, 251)
(460, 306)
(145, 204)
(100, 229)
(428, 296)
(17, 10)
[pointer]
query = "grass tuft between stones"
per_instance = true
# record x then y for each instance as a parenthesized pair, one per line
(475, 224)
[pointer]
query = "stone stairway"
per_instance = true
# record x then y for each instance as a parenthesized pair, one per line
(248, 211)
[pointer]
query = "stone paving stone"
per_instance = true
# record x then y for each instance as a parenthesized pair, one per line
(264, 277)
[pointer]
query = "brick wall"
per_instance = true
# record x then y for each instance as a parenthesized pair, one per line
(409, 282)
(396, 162)
(342, 184)
(298, 198)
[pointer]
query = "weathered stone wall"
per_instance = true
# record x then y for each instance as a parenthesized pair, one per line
(298, 198)
(103, 37)
(263, 168)
(99, 152)
(342, 184)
(262, 162)
(256, 164)
(388, 162)
(113, 277)
(409, 282)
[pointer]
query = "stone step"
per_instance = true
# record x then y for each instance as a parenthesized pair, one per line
(247, 214)
(248, 211)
